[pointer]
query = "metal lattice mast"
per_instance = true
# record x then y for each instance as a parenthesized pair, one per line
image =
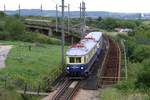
(56, 18)
(4, 8)
(82, 17)
(19, 10)
(69, 22)
(80, 11)
(62, 34)
(41, 8)
(68, 18)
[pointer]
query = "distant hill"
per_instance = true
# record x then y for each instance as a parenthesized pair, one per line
(93, 14)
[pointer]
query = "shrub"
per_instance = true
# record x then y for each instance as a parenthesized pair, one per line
(15, 27)
(126, 86)
(9, 95)
(143, 78)
(4, 35)
(40, 38)
(140, 53)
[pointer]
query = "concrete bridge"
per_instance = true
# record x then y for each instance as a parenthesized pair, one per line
(46, 27)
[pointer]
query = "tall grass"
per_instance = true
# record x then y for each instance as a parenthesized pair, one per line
(31, 62)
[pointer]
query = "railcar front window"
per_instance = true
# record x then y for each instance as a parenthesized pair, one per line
(72, 60)
(78, 60)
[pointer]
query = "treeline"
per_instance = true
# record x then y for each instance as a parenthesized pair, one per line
(138, 54)
(12, 28)
(110, 24)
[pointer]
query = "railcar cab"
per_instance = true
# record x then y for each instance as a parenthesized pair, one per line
(75, 65)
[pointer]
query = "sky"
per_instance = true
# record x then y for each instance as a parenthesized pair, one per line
(127, 6)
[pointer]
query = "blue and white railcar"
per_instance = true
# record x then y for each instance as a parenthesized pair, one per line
(80, 57)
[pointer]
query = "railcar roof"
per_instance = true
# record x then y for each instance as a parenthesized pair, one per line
(87, 43)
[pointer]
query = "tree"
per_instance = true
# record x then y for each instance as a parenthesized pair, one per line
(99, 19)
(15, 27)
(108, 24)
(2, 14)
(143, 79)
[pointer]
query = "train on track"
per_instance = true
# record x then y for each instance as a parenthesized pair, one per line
(81, 56)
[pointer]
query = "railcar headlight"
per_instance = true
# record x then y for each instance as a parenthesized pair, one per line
(68, 68)
(82, 68)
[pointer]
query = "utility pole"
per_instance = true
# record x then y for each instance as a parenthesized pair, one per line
(4, 8)
(69, 22)
(84, 23)
(62, 34)
(41, 8)
(80, 11)
(82, 17)
(56, 18)
(68, 18)
(19, 10)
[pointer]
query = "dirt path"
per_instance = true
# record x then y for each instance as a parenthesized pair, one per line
(4, 50)
(87, 95)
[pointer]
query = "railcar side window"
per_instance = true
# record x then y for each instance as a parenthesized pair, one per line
(84, 59)
(72, 60)
(78, 60)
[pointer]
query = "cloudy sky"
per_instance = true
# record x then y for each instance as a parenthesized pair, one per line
(91, 5)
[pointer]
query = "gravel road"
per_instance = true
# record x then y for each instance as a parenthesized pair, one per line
(4, 50)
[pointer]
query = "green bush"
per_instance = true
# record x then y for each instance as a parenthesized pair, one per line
(140, 53)
(9, 95)
(143, 78)
(40, 38)
(2, 14)
(126, 86)
(4, 35)
(112, 23)
(15, 27)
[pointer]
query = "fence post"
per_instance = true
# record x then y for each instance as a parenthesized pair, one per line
(25, 88)
(38, 91)
(5, 82)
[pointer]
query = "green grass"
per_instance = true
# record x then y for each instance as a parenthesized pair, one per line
(9, 95)
(31, 66)
(114, 94)
(147, 22)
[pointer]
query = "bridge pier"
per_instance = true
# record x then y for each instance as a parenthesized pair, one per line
(50, 32)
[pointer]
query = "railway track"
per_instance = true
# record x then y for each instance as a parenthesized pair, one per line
(67, 90)
(109, 73)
